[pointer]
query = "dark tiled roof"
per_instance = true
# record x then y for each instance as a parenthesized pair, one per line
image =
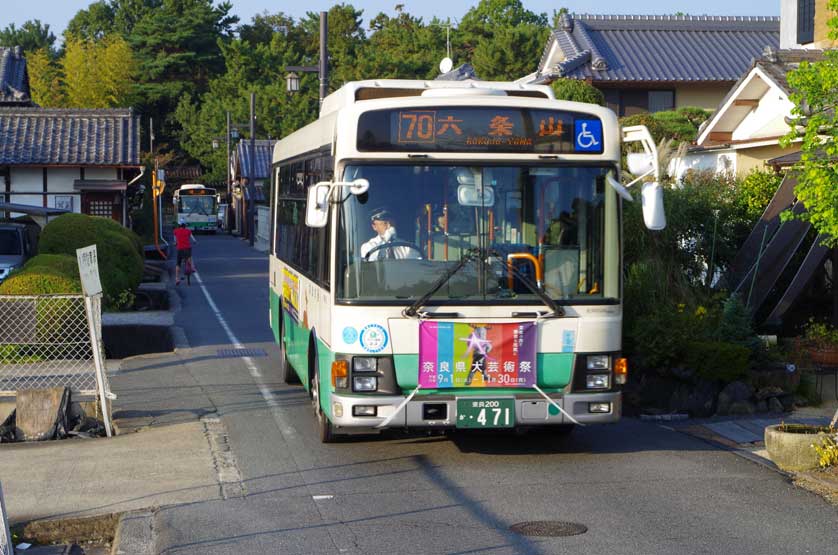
(264, 153)
(46, 136)
(14, 79)
(778, 63)
(606, 48)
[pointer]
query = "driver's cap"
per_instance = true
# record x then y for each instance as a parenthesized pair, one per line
(381, 214)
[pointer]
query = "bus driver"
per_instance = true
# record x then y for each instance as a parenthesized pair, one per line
(385, 232)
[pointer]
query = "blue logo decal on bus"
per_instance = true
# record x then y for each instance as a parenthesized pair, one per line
(350, 335)
(588, 135)
(568, 341)
(373, 338)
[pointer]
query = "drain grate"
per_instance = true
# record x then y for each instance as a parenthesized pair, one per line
(240, 353)
(548, 528)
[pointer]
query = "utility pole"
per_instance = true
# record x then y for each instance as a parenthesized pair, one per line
(229, 184)
(251, 184)
(324, 56)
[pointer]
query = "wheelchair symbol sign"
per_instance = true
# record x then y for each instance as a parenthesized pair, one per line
(588, 133)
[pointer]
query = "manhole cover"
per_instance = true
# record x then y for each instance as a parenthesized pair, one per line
(236, 353)
(548, 528)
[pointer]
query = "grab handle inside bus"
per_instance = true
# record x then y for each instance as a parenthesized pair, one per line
(510, 260)
(317, 202)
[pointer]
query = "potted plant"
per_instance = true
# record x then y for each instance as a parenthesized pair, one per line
(799, 447)
(821, 341)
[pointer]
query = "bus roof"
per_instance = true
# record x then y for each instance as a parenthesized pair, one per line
(356, 91)
(188, 186)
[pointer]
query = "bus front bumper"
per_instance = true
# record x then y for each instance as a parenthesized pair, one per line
(440, 411)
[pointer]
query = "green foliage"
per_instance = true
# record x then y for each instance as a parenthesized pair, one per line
(681, 125)
(718, 360)
(97, 74)
(120, 263)
(827, 452)
(61, 264)
(577, 91)
(32, 35)
(45, 82)
(39, 281)
(757, 190)
(820, 335)
(815, 94)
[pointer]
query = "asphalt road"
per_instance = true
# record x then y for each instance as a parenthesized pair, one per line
(639, 488)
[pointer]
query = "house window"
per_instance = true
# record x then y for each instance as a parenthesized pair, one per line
(805, 21)
(661, 101)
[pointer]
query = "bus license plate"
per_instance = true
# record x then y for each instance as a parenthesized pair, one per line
(485, 413)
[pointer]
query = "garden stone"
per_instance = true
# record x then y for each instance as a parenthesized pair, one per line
(742, 408)
(787, 399)
(698, 400)
(762, 406)
(738, 391)
(774, 405)
(801, 401)
(767, 392)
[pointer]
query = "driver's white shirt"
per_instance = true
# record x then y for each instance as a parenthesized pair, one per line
(400, 252)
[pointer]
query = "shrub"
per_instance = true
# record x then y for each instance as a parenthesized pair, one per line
(718, 360)
(577, 91)
(62, 264)
(40, 281)
(120, 262)
(756, 191)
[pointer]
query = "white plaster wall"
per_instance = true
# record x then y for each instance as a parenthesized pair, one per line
(767, 119)
(100, 173)
(718, 161)
(788, 24)
(26, 180)
(60, 180)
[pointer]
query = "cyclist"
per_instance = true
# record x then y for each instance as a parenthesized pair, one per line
(183, 243)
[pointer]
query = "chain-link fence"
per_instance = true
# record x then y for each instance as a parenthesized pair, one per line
(45, 342)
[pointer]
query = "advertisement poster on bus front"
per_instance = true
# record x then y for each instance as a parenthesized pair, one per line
(477, 355)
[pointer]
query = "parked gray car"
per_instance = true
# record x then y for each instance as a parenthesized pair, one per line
(18, 243)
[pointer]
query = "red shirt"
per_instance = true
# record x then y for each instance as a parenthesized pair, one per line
(182, 236)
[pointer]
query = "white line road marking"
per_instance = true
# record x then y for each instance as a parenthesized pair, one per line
(269, 397)
(322, 497)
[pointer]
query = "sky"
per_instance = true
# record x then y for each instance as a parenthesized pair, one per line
(58, 12)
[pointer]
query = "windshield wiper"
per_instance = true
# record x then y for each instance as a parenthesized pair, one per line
(413, 309)
(484, 254)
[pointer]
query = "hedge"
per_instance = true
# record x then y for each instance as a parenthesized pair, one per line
(62, 264)
(119, 251)
(40, 281)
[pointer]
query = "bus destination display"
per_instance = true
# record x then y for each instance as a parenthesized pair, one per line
(469, 129)
(197, 192)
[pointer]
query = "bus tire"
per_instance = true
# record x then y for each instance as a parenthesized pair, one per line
(286, 371)
(325, 430)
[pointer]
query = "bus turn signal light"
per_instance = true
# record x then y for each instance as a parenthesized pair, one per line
(340, 374)
(621, 370)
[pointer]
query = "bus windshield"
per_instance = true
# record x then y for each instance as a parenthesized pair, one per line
(201, 205)
(416, 222)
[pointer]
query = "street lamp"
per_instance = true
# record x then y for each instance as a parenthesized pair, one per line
(293, 80)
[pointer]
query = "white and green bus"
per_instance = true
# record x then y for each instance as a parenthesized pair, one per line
(197, 207)
(448, 255)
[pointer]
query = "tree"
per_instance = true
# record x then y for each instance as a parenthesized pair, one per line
(402, 47)
(502, 39)
(93, 23)
(32, 35)
(815, 95)
(97, 74)
(577, 91)
(44, 79)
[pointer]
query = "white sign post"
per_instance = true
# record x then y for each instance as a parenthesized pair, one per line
(92, 288)
(6, 547)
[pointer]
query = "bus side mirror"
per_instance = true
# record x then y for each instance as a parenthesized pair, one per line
(652, 199)
(317, 204)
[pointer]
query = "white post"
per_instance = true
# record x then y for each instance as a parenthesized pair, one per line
(6, 547)
(97, 360)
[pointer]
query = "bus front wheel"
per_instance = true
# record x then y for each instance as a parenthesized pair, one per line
(324, 427)
(286, 371)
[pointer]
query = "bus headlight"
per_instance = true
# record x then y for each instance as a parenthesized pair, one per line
(364, 364)
(598, 381)
(364, 383)
(598, 362)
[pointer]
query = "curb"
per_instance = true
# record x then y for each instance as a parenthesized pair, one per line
(708, 436)
(136, 534)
